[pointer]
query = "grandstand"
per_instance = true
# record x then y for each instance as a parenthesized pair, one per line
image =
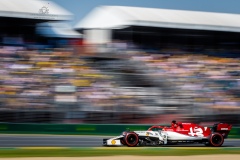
(161, 29)
(133, 82)
(188, 59)
(22, 52)
(20, 19)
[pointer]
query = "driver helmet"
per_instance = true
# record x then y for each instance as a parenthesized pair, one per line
(174, 123)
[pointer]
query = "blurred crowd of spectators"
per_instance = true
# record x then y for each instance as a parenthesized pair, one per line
(210, 83)
(55, 79)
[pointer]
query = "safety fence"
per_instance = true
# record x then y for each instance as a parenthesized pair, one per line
(80, 129)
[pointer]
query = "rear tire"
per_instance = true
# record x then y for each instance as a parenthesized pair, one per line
(131, 139)
(216, 140)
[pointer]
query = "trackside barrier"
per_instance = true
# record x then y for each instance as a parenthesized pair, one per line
(80, 129)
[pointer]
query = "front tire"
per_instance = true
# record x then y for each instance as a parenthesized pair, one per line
(131, 139)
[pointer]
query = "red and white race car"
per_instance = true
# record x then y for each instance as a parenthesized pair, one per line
(177, 133)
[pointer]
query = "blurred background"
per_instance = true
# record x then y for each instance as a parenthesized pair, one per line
(117, 65)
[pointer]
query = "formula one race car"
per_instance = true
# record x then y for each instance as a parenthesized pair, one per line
(177, 133)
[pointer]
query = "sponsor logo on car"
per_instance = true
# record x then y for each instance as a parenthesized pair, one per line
(149, 133)
(224, 128)
(113, 142)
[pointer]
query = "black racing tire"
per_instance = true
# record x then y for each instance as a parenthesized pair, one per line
(131, 139)
(216, 140)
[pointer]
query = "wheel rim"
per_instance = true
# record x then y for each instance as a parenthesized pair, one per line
(216, 139)
(132, 139)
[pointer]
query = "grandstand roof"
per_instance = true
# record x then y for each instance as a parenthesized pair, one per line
(104, 17)
(60, 30)
(33, 9)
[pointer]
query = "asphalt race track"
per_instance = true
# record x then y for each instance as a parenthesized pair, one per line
(10, 140)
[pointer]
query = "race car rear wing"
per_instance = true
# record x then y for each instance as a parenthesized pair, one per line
(222, 128)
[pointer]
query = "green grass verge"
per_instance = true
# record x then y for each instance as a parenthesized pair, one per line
(85, 152)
